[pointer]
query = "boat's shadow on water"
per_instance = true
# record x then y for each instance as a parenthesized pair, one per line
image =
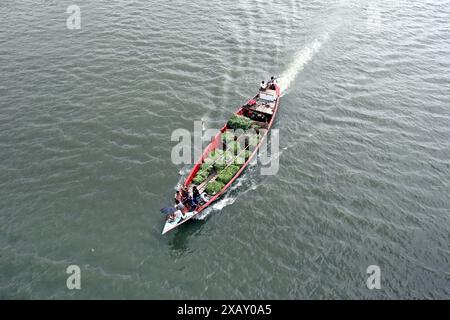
(181, 236)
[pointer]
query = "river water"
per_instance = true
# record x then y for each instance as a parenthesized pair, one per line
(86, 118)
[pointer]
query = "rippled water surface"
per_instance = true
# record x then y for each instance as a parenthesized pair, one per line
(85, 124)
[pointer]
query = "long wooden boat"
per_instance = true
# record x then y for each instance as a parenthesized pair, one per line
(262, 109)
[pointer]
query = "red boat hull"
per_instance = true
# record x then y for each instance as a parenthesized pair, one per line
(213, 145)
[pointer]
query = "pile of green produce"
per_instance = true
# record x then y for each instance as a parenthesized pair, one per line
(247, 154)
(227, 174)
(200, 177)
(239, 160)
(222, 160)
(234, 147)
(242, 158)
(216, 153)
(227, 136)
(213, 187)
(239, 122)
(206, 167)
(213, 156)
(253, 140)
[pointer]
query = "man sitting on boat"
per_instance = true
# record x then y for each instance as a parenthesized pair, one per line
(263, 86)
(179, 205)
(175, 213)
(183, 194)
(272, 83)
(176, 216)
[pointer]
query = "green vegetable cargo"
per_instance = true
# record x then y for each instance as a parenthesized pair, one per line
(227, 136)
(253, 140)
(239, 122)
(214, 187)
(234, 147)
(206, 167)
(223, 160)
(227, 174)
(200, 177)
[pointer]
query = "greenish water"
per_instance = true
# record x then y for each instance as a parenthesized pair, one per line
(85, 123)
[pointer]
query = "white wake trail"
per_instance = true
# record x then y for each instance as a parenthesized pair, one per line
(301, 59)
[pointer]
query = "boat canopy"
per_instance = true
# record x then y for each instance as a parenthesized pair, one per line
(268, 95)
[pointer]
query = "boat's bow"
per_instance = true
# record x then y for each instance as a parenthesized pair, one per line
(172, 224)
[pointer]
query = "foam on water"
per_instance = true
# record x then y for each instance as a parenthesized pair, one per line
(302, 58)
(226, 200)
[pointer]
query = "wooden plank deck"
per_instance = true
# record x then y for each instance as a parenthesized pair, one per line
(263, 108)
